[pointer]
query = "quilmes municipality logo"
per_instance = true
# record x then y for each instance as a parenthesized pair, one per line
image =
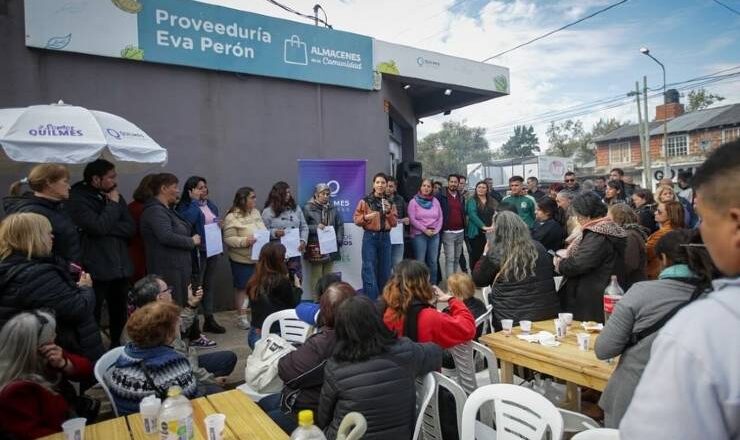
(55, 130)
(334, 187)
(421, 61)
(119, 134)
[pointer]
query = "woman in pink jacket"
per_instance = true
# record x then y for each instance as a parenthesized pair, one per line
(425, 216)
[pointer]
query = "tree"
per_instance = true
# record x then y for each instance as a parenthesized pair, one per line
(565, 138)
(700, 99)
(449, 150)
(522, 143)
(568, 138)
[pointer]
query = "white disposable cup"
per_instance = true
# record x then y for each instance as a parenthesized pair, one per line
(583, 341)
(74, 429)
(506, 325)
(215, 426)
(526, 326)
(561, 329)
(566, 317)
(149, 409)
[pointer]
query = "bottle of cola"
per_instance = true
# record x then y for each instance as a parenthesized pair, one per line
(612, 295)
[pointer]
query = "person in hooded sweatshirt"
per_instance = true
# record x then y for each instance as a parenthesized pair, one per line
(320, 213)
(590, 260)
(49, 185)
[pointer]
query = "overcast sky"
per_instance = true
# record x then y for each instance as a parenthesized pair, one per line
(598, 58)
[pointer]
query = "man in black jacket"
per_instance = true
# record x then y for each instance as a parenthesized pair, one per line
(106, 226)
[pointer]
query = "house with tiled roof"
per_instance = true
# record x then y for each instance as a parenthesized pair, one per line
(690, 137)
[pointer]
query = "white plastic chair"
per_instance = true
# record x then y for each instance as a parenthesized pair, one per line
(485, 291)
(465, 371)
(432, 426)
(101, 366)
(485, 321)
(424, 395)
(574, 422)
(520, 413)
(598, 434)
(292, 329)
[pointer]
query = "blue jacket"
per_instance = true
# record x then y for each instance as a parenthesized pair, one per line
(195, 217)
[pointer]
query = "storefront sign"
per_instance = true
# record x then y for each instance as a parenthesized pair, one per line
(191, 33)
(410, 62)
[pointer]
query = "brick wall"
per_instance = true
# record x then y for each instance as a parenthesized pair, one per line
(713, 135)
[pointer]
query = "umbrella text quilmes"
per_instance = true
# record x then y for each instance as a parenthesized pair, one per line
(55, 130)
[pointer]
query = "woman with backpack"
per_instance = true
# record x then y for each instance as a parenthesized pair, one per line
(686, 274)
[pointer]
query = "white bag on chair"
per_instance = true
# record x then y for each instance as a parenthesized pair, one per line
(261, 372)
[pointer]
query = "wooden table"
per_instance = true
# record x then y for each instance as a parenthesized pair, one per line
(244, 420)
(565, 362)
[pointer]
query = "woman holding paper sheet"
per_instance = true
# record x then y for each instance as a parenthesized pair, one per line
(240, 225)
(197, 209)
(281, 216)
(320, 214)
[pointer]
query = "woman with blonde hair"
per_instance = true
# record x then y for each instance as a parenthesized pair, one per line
(49, 185)
(33, 370)
(30, 279)
(519, 271)
(668, 216)
(410, 308)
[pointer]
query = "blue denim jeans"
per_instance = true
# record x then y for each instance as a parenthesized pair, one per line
(453, 243)
(426, 250)
(376, 262)
(271, 405)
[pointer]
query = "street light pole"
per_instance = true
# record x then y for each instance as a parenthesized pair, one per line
(666, 168)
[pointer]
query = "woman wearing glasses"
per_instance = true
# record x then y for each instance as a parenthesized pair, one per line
(34, 400)
(668, 216)
(32, 279)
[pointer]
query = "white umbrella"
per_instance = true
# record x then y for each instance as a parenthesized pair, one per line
(67, 134)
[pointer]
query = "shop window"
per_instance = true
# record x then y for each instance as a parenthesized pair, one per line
(730, 134)
(677, 145)
(620, 152)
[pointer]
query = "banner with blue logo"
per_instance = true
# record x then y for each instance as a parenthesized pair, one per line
(346, 180)
(191, 33)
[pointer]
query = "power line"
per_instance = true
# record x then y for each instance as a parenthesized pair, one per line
(729, 8)
(608, 103)
(556, 30)
(300, 14)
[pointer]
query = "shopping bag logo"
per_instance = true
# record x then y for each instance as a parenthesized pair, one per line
(295, 51)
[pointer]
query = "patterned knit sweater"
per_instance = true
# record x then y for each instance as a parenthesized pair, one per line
(127, 377)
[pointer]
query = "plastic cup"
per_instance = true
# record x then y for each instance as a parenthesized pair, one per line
(506, 325)
(526, 326)
(583, 341)
(215, 426)
(74, 429)
(566, 317)
(149, 409)
(561, 329)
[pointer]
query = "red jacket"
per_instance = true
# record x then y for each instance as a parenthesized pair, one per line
(29, 410)
(445, 330)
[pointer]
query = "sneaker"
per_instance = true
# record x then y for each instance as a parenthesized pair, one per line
(243, 322)
(203, 342)
(210, 325)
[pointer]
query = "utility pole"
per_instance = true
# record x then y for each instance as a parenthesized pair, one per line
(647, 163)
(641, 131)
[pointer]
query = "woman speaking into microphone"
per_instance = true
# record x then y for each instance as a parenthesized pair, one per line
(376, 215)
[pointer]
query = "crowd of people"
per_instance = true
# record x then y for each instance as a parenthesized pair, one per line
(65, 252)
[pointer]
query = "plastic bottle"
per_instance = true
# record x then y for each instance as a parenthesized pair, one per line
(306, 430)
(612, 295)
(176, 416)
